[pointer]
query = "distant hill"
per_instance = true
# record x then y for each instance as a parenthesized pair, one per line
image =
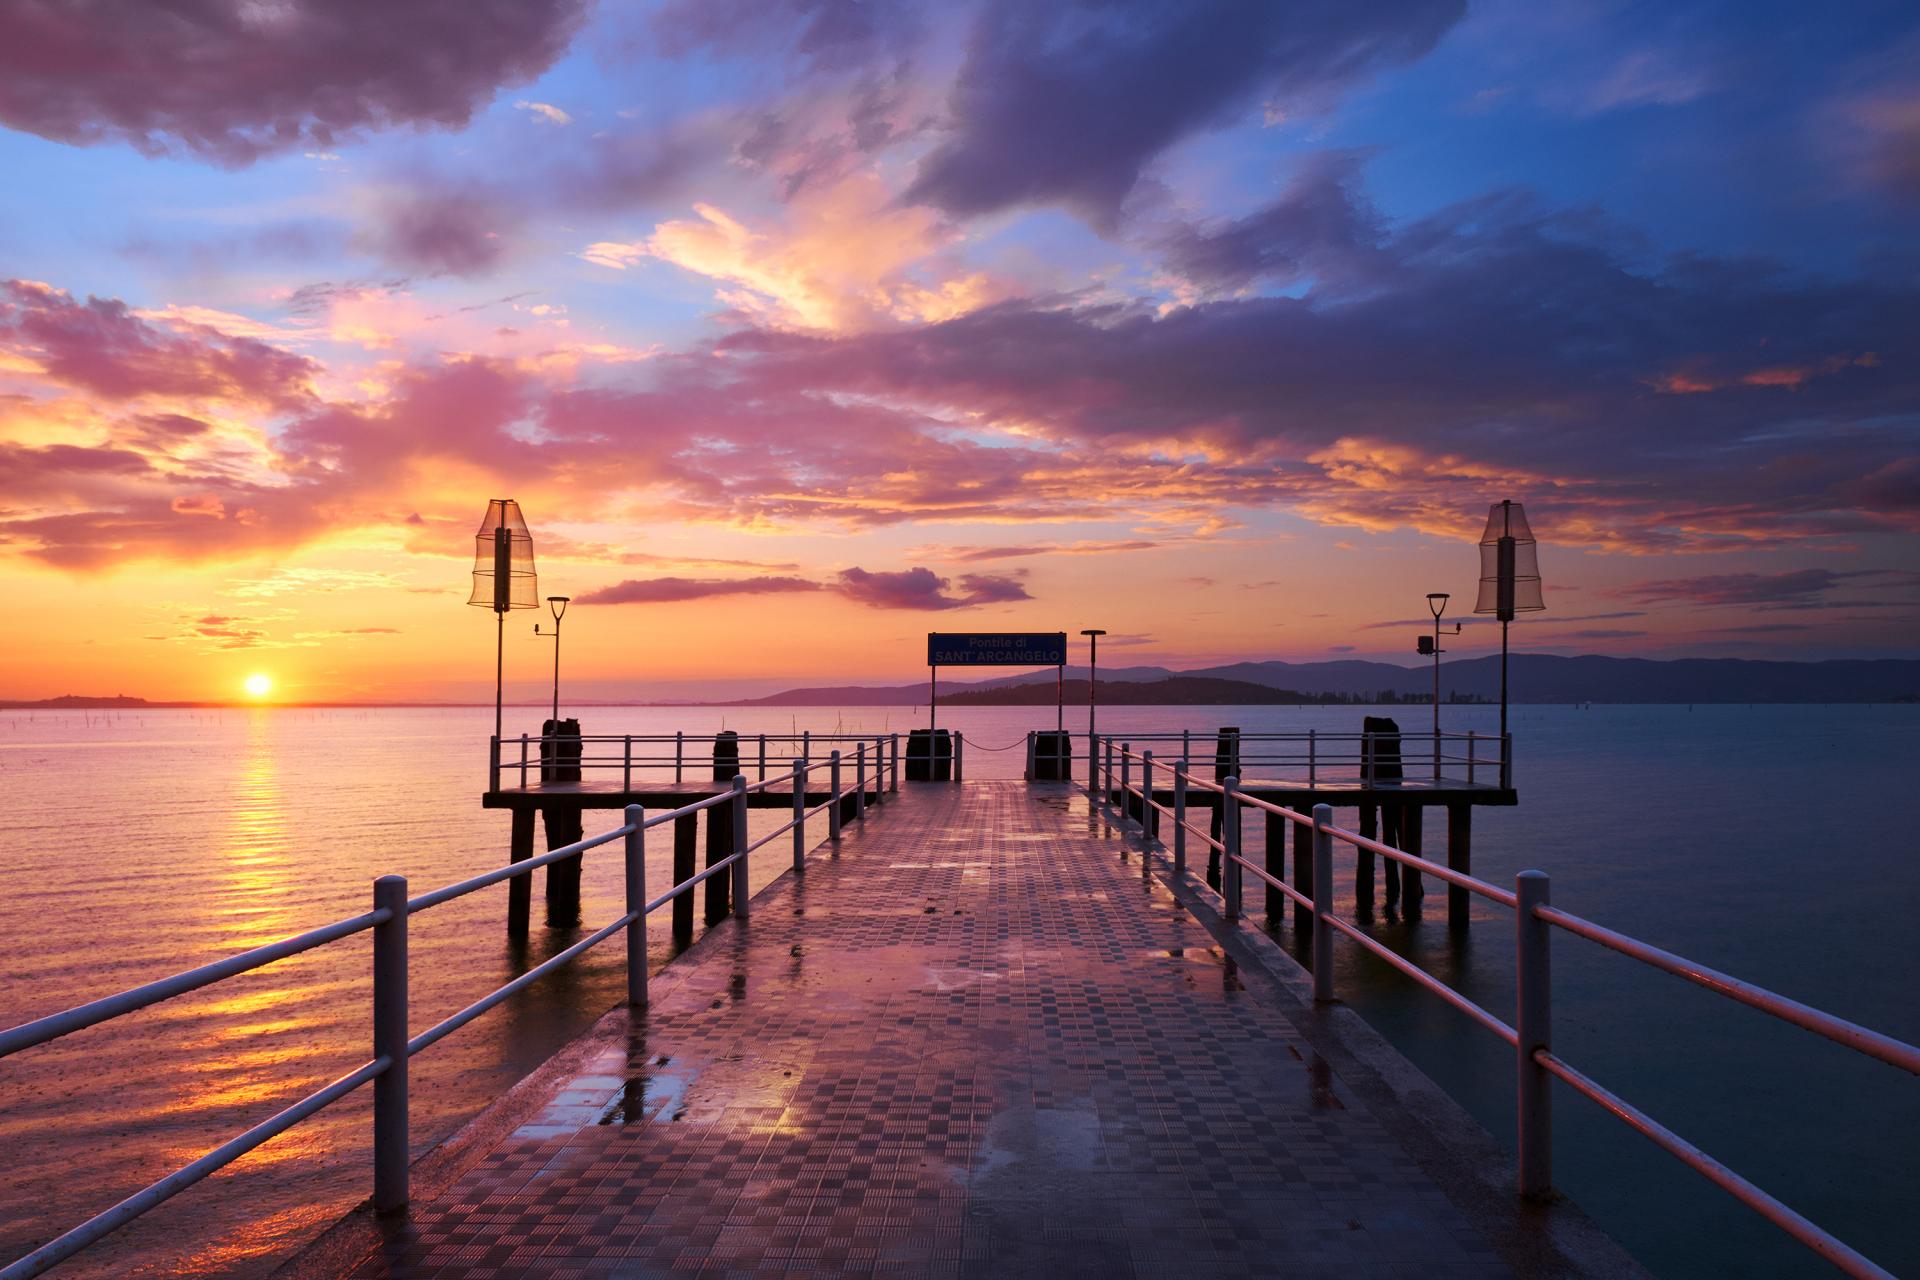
(1175, 691)
(80, 702)
(1533, 677)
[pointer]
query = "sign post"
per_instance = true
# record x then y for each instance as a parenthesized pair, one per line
(997, 649)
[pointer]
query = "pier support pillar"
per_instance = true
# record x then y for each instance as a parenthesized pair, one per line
(1363, 862)
(564, 826)
(686, 839)
(1412, 839)
(1302, 875)
(719, 848)
(1459, 858)
(520, 888)
(1276, 866)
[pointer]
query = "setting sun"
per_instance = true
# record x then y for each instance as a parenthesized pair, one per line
(258, 686)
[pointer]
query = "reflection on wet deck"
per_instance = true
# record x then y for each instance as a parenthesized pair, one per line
(1020, 1060)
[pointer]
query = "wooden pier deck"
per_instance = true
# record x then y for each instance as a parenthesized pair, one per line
(975, 1041)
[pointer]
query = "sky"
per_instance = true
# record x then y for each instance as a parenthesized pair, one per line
(800, 329)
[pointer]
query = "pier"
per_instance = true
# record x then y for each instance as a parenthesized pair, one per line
(977, 1028)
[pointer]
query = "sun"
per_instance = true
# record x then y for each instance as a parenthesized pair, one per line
(258, 685)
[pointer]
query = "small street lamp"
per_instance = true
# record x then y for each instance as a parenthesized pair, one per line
(1093, 635)
(559, 606)
(1437, 603)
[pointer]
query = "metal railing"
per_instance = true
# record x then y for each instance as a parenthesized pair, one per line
(632, 755)
(1471, 759)
(393, 1046)
(1530, 1033)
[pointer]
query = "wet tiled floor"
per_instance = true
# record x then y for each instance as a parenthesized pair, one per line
(974, 1043)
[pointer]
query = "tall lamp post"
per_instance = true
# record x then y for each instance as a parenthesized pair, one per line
(1437, 603)
(559, 606)
(1509, 579)
(503, 580)
(1093, 635)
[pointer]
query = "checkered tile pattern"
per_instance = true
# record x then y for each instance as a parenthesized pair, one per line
(975, 1043)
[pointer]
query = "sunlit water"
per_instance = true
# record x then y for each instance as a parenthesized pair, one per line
(1776, 842)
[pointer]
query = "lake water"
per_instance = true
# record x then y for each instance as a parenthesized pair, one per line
(1774, 842)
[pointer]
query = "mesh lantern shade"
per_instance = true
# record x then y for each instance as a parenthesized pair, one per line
(503, 576)
(1509, 564)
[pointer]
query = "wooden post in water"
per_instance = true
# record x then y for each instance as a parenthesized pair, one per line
(1302, 875)
(686, 840)
(1363, 861)
(1276, 866)
(1412, 838)
(520, 888)
(1459, 858)
(726, 763)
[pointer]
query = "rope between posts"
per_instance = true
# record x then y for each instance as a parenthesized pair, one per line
(1018, 742)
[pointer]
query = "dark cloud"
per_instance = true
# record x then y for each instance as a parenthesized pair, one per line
(674, 590)
(231, 80)
(828, 34)
(436, 230)
(1796, 588)
(1321, 227)
(1066, 102)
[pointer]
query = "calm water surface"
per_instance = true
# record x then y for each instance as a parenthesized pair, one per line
(1775, 842)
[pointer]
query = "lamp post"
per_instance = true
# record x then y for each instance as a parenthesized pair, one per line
(1093, 635)
(1509, 579)
(1437, 603)
(503, 580)
(559, 606)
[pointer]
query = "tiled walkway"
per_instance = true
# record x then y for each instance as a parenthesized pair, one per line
(975, 1043)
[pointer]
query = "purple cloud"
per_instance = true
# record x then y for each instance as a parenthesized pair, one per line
(675, 590)
(232, 81)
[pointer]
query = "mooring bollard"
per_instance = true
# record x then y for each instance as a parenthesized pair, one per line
(1533, 1025)
(636, 843)
(739, 804)
(959, 756)
(1322, 903)
(1230, 837)
(390, 1042)
(1179, 817)
(1030, 761)
(833, 802)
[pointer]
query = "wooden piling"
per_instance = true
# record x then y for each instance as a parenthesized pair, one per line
(1302, 875)
(1412, 820)
(1276, 866)
(564, 826)
(686, 839)
(1363, 861)
(1459, 858)
(520, 888)
(719, 848)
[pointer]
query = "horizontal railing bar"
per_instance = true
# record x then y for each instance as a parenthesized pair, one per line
(508, 872)
(775, 834)
(1291, 815)
(689, 883)
(108, 1221)
(531, 976)
(1276, 882)
(1893, 1052)
(54, 1025)
(1427, 980)
(1503, 896)
(1794, 1224)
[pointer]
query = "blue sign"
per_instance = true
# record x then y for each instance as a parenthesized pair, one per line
(996, 648)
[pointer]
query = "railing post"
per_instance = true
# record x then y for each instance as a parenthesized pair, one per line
(1471, 739)
(626, 763)
(879, 770)
(493, 763)
(800, 814)
(1230, 837)
(763, 759)
(1146, 806)
(833, 804)
(390, 1042)
(1533, 1021)
(679, 753)
(860, 783)
(1106, 782)
(637, 906)
(1506, 762)
(1313, 759)
(523, 761)
(1030, 761)
(893, 772)
(739, 802)
(806, 744)
(959, 756)
(1179, 817)
(1126, 781)
(1366, 760)
(1322, 904)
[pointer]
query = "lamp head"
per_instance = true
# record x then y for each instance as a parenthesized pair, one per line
(1437, 601)
(559, 606)
(1094, 631)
